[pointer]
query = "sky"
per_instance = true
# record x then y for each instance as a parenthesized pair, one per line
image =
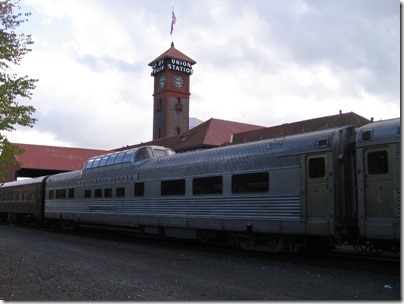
(258, 62)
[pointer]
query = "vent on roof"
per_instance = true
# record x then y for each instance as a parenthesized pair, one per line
(367, 134)
(322, 143)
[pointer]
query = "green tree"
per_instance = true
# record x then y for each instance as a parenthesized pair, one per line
(13, 88)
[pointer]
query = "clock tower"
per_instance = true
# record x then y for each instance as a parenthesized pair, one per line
(171, 72)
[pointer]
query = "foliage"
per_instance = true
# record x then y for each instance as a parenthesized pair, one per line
(13, 47)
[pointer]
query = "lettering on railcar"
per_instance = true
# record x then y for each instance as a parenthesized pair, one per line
(103, 180)
(275, 143)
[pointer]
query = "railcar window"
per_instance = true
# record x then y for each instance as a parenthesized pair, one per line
(98, 193)
(71, 193)
(159, 152)
(87, 193)
(252, 182)
(111, 159)
(103, 160)
(89, 163)
(170, 151)
(173, 187)
(96, 162)
(51, 194)
(108, 192)
(378, 163)
(143, 153)
(119, 158)
(120, 192)
(139, 189)
(316, 167)
(60, 193)
(128, 156)
(207, 185)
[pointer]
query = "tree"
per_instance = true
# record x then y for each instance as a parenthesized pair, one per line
(13, 88)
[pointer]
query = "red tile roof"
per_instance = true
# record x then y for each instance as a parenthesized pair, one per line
(54, 158)
(172, 52)
(211, 133)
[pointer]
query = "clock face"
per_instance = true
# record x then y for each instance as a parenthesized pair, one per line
(162, 81)
(178, 81)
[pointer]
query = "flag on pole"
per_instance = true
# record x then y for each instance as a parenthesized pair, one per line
(173, 22)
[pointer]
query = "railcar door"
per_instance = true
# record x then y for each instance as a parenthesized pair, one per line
(379, 192)
(318, 194)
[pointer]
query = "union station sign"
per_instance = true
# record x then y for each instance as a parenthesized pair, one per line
(172, 64)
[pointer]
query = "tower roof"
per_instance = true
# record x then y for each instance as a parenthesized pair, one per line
(172, 52)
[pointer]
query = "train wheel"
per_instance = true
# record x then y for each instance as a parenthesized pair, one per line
(203, 236)
(367, 248)
(67, 225)
(247, 244)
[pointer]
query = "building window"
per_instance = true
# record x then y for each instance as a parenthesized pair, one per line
(159, 104)
(178, 105)
(173, 187)
(207, 185)
(252, 182)
(178, 130)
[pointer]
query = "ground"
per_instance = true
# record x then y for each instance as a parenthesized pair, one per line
(49, 265)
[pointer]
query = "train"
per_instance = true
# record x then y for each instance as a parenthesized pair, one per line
(316, 189)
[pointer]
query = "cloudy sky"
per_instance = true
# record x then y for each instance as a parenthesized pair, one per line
(259, 62)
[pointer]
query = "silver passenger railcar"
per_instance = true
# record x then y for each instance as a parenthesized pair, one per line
(267, 195)
(378, 164)
(323, 188)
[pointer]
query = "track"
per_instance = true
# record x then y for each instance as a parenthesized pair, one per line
(343, 257)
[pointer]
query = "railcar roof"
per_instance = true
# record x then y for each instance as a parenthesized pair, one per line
(21, 182)
(293, 144)
(383, 131)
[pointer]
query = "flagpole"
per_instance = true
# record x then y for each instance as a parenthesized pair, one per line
(173, 20)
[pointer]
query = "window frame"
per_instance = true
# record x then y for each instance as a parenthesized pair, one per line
(173, 187)
(241, 181)
(207, 185)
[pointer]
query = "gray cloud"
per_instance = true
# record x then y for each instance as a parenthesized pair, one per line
(95, 88)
